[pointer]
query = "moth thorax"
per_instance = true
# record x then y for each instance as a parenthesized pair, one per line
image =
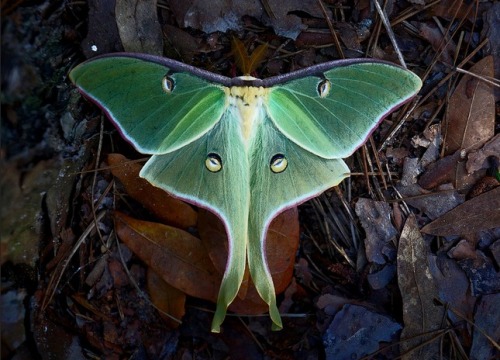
(248, 103)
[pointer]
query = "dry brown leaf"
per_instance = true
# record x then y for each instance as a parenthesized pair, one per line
(433, 204)
(138, 26)
(418, 290)
(486, 335)
(479, 213)
(180, 41)
(308, 39)
(224, 15)
(435, 37)
(465, 181)
(471, 110)
(53, 338)
(357, 332)
(478, 159)
(165, 207)
(182, 261)
(455, 9)
(375, 217)
(491, 31)
(440, 172)
(453, 286)
(167, 298)
(463, 250)
(350, 35)
(450, 169)
(177, 256)
(484, 184)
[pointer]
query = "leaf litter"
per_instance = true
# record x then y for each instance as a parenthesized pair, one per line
(223, 15)
(341, 283)
(422, 317)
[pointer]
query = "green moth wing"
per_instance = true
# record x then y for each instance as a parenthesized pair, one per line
(244, 148)
(332, 115)
(305, 175)
(138, 97)
(184, 173)
(245, 195)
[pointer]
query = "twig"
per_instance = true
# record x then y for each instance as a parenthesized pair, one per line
(94, 179)
(377, 160)
(448, 76)
(486, 79)
(332, 30)
(58, 273)
(408, 109)
(387, 25)
(413, 11)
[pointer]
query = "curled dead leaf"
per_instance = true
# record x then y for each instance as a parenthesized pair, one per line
(166, 298)
(418, 289)
(138, 26)
(177, 256)
(224, 15)
(479, 159)
(182, 260)
(479, 213)
(375, 217)
(165, 207)
(471, 110)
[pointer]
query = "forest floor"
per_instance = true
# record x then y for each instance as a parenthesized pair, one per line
(400, 260)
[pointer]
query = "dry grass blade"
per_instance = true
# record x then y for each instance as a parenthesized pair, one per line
(447, 38)
(388, 28)
(494, 343)
(332, 31)
(338, 229)
(412, 11)
(451, 74)
(94, 178)
(405, 113)
(487, 79)
(379, 164)
(62, 266)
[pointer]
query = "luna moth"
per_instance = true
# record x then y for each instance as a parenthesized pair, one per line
(244, 148)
